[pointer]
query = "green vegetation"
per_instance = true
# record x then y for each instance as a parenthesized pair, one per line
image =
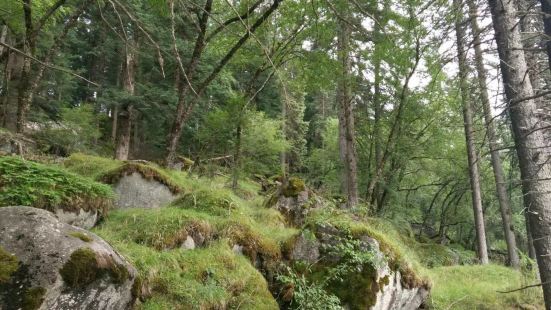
(476, 287)
(82, 236)
(33, 298)
(8, 265)
(81, 269)
(84, 267)
(28, 183)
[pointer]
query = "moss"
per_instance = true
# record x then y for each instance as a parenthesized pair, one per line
(8, 265)
(137, 287)
(85, 266)
(119, 273)
(81, 269)
(33, 298)
(82, 236)
(26, 183)
(293, 187)
(148, 171)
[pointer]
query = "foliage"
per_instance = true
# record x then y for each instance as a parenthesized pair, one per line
(308, 295)
(77, 130)
(27, 183)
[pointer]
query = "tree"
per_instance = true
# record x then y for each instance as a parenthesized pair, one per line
(529, 139)
(345, 105)
(472, 156)
(501, 189)
(185, 105)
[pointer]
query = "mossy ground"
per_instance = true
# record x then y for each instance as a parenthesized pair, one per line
(28, 183)
(213, 276)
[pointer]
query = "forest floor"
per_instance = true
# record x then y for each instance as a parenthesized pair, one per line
(214, 276)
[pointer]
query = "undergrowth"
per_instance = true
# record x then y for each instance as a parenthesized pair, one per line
(28, 183)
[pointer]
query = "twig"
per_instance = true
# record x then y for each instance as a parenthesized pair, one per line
(47, 65)
(524, 287)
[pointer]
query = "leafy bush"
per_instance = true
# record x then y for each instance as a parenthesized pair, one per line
(307, 295)
(31, 184)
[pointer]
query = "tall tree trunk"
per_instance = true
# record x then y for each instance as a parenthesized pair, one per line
(469, 136)
(126, 116)
(546, 9)
(529, 138)
(346, 116)
(504, 205)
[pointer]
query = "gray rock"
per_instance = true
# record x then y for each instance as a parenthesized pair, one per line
(46, 250)
(134, 191)
(81, 218)
(189, 244)
(296, 208)
(237, 249)
(305, 248)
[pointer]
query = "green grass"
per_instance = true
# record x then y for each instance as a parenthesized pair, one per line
(47, 187)
(90, 166)
(475, 287)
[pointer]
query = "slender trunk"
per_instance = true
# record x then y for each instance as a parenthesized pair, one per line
(114, 123)
(504, 205)
(529, 138)
(237, 157)
(546, 9)
(126, 117)
(346, 116)
(469, 136)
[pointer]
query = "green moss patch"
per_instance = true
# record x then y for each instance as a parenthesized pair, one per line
(82, 236)
(31, 184)
(293, 187)
(85, 266)
(8, 265)
(33, 298)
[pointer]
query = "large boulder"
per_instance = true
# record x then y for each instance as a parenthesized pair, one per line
(135, 191)
(59, 266)
(379, 285)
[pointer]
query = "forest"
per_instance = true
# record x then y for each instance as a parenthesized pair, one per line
(275, 154)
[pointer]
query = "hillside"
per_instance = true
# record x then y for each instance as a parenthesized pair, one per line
(243, 259)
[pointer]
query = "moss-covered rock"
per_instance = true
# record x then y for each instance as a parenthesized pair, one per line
(293, 187)
(53, 258)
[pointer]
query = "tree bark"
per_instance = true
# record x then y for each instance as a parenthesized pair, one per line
(546, 9)
(501, 190)
(346, 116)
(529, 139)
(126, 117)
(472, 156)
